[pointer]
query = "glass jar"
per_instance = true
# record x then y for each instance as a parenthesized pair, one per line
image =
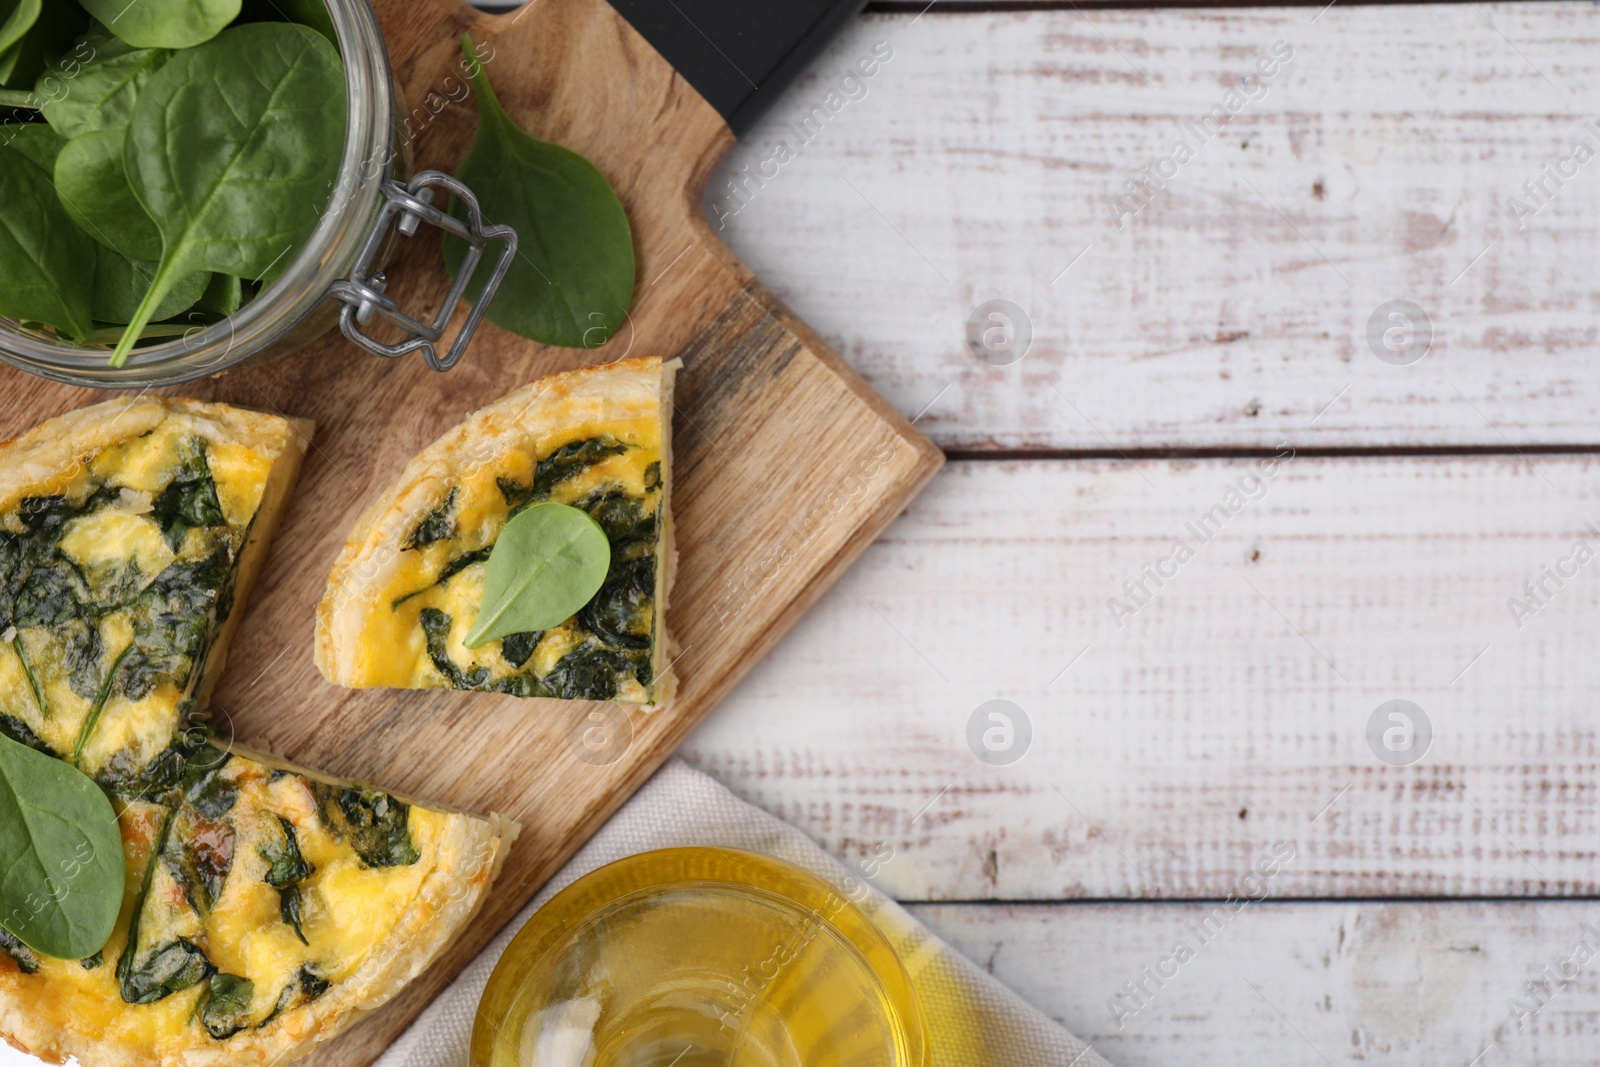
(337, 276)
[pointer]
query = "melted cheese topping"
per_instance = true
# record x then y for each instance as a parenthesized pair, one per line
(394, 645)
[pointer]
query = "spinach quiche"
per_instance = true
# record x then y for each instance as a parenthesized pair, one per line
(265, 908)
(129, 534)
(409, 584)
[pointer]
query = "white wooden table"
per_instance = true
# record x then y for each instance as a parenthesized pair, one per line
(1180, 341)
(1176, 348)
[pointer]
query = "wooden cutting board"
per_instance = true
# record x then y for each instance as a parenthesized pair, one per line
(787, 465)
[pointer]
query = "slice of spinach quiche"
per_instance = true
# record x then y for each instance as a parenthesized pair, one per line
(408, 586)
(129, 534)
(266, 907)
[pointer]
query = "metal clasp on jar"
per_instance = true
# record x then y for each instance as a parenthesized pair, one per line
(407, 207)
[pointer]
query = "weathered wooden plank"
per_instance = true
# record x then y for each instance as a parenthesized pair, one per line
(1378, 163)
(1229, 711)
(1382, 985)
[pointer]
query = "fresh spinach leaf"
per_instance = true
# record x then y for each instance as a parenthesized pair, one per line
(100, 92)
(224, 294)
(92, 184)
(36, 141)
(16, 18)
(572, 279)
(42, 252)
(61, 885)
(313, 13)
(375, 824)
(164, 23)
(227, 1005)
(547, 563)
(120, 284)
(44, 43)
(232, 149)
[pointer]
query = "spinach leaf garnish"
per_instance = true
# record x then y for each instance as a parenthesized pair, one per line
(375, 824)
(548, 562)
(190, 500)
(89, 963)
(227, 1005)
(42, 252)
(439, 524)
(235, 189)
(61, 886)
(572, 279)
(164, 23)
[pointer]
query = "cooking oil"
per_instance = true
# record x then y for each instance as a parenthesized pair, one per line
(694, 958)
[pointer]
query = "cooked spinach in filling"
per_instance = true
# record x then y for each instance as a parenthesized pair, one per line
(605, 651)
(220, 821)
(110, 598)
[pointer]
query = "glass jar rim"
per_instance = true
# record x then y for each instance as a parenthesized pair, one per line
(352, 209)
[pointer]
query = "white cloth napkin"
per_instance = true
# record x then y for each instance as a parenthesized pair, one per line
(974, 1021)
